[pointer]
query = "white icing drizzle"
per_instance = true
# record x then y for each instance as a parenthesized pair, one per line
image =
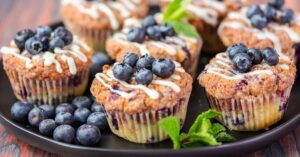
(175, 77)
(209, 15)
(170, 84)
(292, 34)
(128, 4)
(168, 48)
(215, 4)
(49, 59)
(71, 63)
(123, 11)
(143, 48)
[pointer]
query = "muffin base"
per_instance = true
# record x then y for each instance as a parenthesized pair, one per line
(143, 127)
(51, 92)
(251, 113)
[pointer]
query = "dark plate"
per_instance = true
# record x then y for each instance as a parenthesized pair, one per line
(112, 145)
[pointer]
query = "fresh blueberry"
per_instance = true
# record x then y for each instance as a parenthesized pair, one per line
(35, 45)
(56, 42)
(270, 13)
(82, 101)
(254, 10)
(286, 16)
(167, 31)
(242, 62)
(136, 35)
(64, 34)
(22, 36)
(97, 108)
(163, 68)
(154, 32)
(98, 61)
(19, 111)
(145, 61)
(81, 115)
(64, 118)
(235, 49)
(64, 133)
(144, 76)
(45, 41)
(43, 31)
(49, 109)
(97, 119)
(270, 56)
(130, 59)
(255, 55)
(36, 115)
(88, 135)
(276, 3)
(149, 21)
(259, 21)
(122, 71)
(65, 107)
(47, 127)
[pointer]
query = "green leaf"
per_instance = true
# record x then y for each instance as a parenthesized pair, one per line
(183, 28)
(171, 126)
(216, 128)
(171, 8)
(196, 127)
(224, 137)
(199, 138)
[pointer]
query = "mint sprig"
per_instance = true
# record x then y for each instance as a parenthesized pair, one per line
(202, 133)
(175, 15)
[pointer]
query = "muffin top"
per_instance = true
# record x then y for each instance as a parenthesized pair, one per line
(139, 84)
(243, 72)
(102, 14)
(150, 36)
(263, 26)
(46, 54)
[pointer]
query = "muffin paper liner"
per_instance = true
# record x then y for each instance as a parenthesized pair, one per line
(96, 38)
(47, 91)
(143, 127)
(251, 113)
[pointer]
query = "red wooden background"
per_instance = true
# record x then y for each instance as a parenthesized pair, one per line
(18, 14)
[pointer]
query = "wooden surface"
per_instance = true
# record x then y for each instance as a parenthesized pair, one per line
(17, 14)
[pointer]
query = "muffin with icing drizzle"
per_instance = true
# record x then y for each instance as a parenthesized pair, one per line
(45, 66)
(96, 20)
(251, 87)
(206, 16)
(262, 26)
(151, 37)
(136, 96)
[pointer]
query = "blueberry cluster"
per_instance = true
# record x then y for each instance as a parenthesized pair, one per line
(142, 68)
(60, 122)
(43, 39)
(272, 12)
(244, 58)
(151, 30)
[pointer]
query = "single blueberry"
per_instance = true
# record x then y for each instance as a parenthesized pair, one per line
(36, 115)
(259, 21)
(97, 107)
(270, 13)
(88, 135)
(163, 68)
(47, 127)
(276, 3)
(56, 42)
(130, 59)
(65, 107)
(136, 35)
(64, 34)
(144, 76)
(122, 71)
(97, 119)
(49, 109)
(254, 10)
(98, 61)
(242, 62)
(45, 42)
(270, 56)
(145, 61)
(167, 31)
(81, 115)
(43, 31)
(82, 102)
(149, 21)
(64, 133)
(19, 111)
(235, 49)
(34, 45)
(154, 32)
(286, 16)
(255, 55)
(22, 36)
(64, 118)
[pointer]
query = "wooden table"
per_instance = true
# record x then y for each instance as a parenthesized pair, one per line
(18, 14)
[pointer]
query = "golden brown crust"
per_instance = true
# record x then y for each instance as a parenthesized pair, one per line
(141, 101)
(252, 85)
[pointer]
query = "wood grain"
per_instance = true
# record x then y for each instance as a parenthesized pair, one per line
(17, 14)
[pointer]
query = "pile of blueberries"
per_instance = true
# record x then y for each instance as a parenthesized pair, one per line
(244, 58)
(60, 122)
(150, 29)
(43, 39)
(142, 68)
(273, 12)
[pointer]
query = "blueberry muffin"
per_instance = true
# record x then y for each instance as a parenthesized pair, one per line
(45, 66)
(136, 97)
(263, 26)
(251, 87)
(151, 37)
(206, 16)
(96, 20)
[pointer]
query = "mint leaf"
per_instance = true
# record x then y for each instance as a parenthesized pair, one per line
(199, 138)
(196, 127)
(224, 137)
(171, 126)
(171, 8)
(183, 28)
(216, 128)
